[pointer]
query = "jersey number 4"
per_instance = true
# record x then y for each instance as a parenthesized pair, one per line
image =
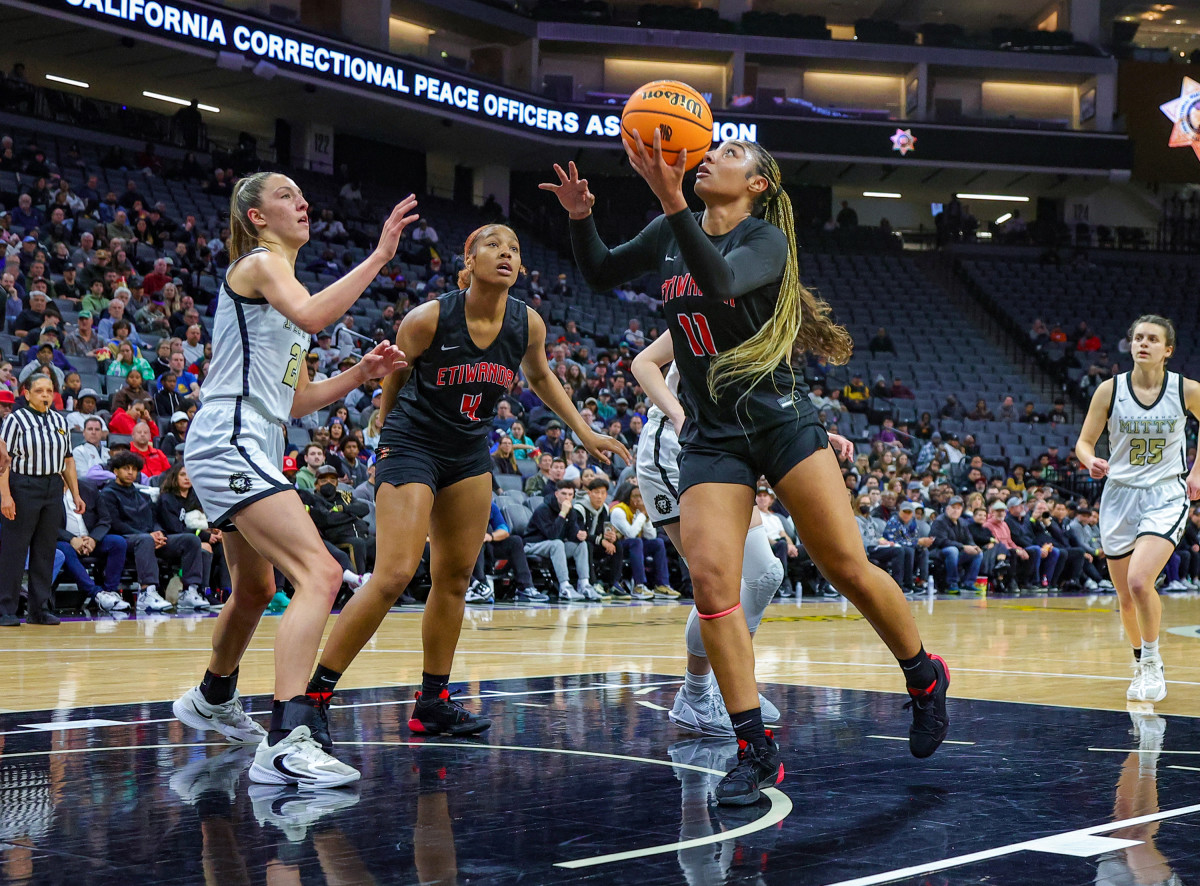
(470, 403)
(699, 335)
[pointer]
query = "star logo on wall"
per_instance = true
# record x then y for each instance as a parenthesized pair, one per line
(904, 141)
(1184, 112)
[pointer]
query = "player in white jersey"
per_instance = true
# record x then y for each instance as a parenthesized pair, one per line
(1143, 509)
(256, 384)
(698, 705)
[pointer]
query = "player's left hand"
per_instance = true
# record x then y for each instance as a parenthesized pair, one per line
(383, 359)
(1193, 488)
(600, 445)
(665, 179)
(842, 447)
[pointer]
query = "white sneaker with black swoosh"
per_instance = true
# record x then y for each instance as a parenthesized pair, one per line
(299, 760)
(229, 719)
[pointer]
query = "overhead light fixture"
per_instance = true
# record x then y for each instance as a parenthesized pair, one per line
(1002, 219)
(68, 81)
(178, 101)
(999, 198)
(888, 195)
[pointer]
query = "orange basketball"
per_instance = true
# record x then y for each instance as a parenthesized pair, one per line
(676, 110)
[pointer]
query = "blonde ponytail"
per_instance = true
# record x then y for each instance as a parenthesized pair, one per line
(247, 195)
(801, 320)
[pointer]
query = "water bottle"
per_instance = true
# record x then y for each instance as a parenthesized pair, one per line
(930, 587)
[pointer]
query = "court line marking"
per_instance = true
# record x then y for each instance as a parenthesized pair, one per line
(997, 852)
(902, 738)
(1139, 750)
(775, 663)
(781, 804)
(487, 693)
(131, 747)
(529, 704)
(1188, 768)
(652, 706)
(645, 691)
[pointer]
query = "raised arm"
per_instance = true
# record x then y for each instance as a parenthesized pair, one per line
(381, 360)
(602, 267)
(269, 276)
(1093, 427)
(647, 369)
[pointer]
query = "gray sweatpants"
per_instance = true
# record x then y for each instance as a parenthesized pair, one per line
(558, 551)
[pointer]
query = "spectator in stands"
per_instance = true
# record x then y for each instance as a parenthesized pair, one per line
(133, 391)
(83, 536)
(638, 540)
(314, 459)
(981, 412)
(424, 233)
(924, 429)
(856, 395)
(633, 336)
(552, 440)
(129, 513)
(545, 481)
(158, 278)
(881, 342)
(1058, 412)
(847, 217)
(503, 461)
(1031, 415)
(883, 553)
(178, 510)
(93, 450)
(1091, 381)
(172, 442)
(902, 529)
(1042, 558)
(1085, 534)
(193, 344)
(1008, 409)
(900, 391)
(186, 383)
(83, 340)
(500, 544)
(952, 409)
(339, 518)
(107, 328)
(119, 227)
(556, 531)
(33, 317)
(523, 447)
(328, 354)
(355, 470)
(154, 462)
(7, 403)
(122, 421)
(952, 539)
(1071, 556)
(603, 539)
(85, 407)
(994, 563)
(783, 546)
(24, 215)
(125, 362)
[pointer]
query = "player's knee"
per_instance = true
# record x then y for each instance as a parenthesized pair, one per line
(849, 574)
(454, 579)
(1142, 585)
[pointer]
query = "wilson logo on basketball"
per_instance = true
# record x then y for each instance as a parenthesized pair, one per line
(676, 100)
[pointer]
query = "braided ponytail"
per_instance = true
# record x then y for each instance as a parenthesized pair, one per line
(801, 319)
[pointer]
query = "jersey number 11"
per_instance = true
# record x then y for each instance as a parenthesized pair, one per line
(699, 335)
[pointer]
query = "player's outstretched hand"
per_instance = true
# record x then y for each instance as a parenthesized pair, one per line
(381, 360)
(572, 191)
(665, 179)
(1099, 469)
(389, 235)
(842, 447)
(1193, 488)
(600, 446)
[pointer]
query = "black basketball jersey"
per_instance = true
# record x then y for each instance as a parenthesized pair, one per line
(454, 386)
(701, 329)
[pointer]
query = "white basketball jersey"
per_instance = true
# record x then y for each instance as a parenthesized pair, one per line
(655, 414)
(1146, 442)
(258, 354)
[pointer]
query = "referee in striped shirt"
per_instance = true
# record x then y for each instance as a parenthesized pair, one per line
(31, 501)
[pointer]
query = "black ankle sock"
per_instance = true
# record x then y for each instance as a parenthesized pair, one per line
(324, 681)
(919, 672)
(217, 689)
(1137, 653)
(279, 729)
(748, 726)
(433, 684)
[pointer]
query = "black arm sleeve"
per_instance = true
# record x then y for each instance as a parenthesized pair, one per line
(759, 260)
(604, 268)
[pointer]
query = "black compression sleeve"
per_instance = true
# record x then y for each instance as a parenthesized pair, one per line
(604, 268)
(759, 260)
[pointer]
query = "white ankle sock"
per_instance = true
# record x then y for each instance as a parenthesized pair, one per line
(1149, 649)
(696, 685)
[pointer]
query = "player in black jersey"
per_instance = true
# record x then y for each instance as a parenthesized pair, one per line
(735, 304)
(433, 468)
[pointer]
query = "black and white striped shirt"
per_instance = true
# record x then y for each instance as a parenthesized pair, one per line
(39, 442)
